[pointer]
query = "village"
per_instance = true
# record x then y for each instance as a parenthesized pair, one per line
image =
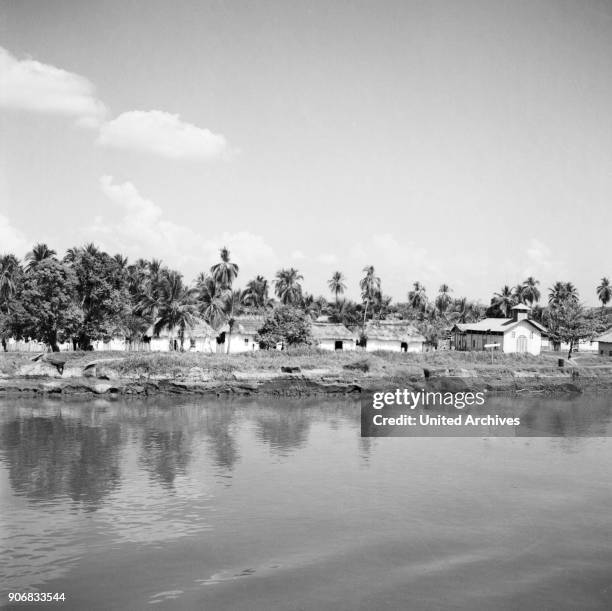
(111, 306)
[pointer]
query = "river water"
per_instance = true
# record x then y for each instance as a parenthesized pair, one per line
(276, 504)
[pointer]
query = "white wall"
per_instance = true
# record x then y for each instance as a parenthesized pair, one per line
(391, 345)
(330, 344)
(523, 329)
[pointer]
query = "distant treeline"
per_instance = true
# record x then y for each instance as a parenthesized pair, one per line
(90, 295)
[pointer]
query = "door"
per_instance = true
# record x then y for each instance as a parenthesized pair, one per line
(521, 344)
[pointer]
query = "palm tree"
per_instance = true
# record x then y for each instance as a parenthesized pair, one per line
(177, 307)
(562, 292)
(417, 297)
(604, 292)
(287, 286)
(443, 299)
(530, 291)
(504, 301)
(9, 271)
(370, 287)
(336, 284)
(519, 293)
(212, 301)
(121, 261)
(224, 272)
(256, 294)
(39, 253)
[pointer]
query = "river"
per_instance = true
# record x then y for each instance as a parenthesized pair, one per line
(280, 504)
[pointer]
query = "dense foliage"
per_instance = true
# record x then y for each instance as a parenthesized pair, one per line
(90, 295)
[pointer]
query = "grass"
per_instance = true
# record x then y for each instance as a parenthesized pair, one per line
(221, 366)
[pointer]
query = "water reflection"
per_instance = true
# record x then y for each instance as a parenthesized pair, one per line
(256, 484)
(54, 456)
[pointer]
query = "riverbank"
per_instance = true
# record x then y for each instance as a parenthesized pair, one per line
(302, 372)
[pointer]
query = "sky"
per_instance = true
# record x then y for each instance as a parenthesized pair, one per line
(461, 142)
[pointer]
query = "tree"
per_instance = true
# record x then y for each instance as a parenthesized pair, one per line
(518, 293)
(211, 301)
(256, 295)
(102, 293)
(177, 306)
(337, 284)
(443, 300)
(417, 297)
(604, 292)
(503, 302)
(224, 272)
(285, 325)
(344, 312)
(46, 309)
(370, 288)
(569, 322)
(530, 291)
(561, 292)
(39, 253)
(287, 286)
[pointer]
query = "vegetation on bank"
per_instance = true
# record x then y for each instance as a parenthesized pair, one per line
(307, 359)
(89, 295)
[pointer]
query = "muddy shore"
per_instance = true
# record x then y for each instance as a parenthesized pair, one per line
(102, 377)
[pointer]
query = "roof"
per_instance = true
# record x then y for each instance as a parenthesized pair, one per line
(245, 325)
(328, 330)
(393, 330)
(605, 337)
(200, 329)
(497, 325)
(521, 307)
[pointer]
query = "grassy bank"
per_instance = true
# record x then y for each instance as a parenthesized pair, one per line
(303, 371)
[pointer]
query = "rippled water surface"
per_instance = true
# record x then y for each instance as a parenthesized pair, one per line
(277, 504)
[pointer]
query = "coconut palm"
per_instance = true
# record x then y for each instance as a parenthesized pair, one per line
(370, 288)
(39, 253)
(443, 300)
(604, 292)
(224, 272)
(530, 291)
(562, 292)
(212, 301)
(9, 272)
(176, 306)
(121, 261)
(504, 301)
(417, 297)
(519, 293)
(336, 284)
(287, 286)
(256, 294)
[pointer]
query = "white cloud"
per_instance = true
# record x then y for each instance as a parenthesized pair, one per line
(163, 134)
(12, 240)
(33, 86)
(143, 231)
(298, 255)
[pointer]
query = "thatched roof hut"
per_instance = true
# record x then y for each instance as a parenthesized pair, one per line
(395, 335)
(331, 331)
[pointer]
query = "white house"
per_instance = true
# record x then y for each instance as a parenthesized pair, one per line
(517, 334)
(199, 338)
(393, 336)
(243, 335)
(605, 343)
(332, 336)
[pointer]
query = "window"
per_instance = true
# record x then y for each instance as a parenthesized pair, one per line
(531, 335)
(513, 333)
(246, 341)
(192, 341)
